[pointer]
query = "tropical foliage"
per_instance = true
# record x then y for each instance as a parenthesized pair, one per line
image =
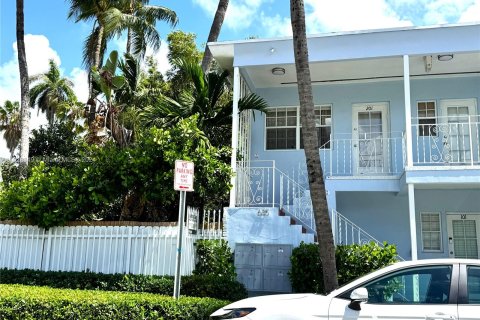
(10, 124)
(138, 123)
(51, 93)
(90, 184)
(209, 98)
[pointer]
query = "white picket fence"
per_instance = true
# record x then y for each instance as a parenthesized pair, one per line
(149, 250)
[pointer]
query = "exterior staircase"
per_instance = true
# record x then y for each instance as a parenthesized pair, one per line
(264, 186)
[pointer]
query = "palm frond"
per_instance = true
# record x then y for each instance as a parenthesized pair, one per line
(154, 13)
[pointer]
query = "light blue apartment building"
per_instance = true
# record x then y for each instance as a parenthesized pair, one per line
(398, 120)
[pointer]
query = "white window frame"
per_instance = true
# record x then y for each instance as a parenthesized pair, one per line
(435, 117)
(439, 231)
(298, 126)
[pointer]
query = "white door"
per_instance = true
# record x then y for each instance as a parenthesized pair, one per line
(369, 143)
(463, 239)
(421, 293)
(458, 130)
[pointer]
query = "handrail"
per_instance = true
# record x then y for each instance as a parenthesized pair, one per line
(347, 232)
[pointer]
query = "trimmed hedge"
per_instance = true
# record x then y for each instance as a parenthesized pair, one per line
(353, 261)
(196, 285)
(27, 302)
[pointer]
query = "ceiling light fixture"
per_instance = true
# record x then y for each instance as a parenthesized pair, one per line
(445, 57)
(277, 71)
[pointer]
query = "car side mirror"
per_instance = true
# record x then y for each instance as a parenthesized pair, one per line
(356, 297)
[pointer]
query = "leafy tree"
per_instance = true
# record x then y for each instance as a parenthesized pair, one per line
(310, 146)
(10, 125)
(52, 195)
(55, 143)
(51, 92)
(181, 46)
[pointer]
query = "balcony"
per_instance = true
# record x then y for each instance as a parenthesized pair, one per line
(367, 156)
(446, 141)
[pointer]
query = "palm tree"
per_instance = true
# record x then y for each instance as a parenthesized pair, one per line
(209, 97)
(138, 19)
(214, 33)
(51, 91)
(310, 143)
(87, 10)
(11, 125)
(23, 69)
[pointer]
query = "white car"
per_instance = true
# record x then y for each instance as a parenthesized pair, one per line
(437, 289)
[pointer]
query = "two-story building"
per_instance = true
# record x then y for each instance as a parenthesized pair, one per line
(398, 120)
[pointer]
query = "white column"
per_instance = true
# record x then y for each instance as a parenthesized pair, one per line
(408, 110)
(235, 120)
(413, 223)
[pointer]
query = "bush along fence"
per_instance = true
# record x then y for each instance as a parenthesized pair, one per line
(96, 247)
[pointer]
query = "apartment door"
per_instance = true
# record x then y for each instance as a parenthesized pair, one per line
(463, 235)
(369, 143)
(458, 129)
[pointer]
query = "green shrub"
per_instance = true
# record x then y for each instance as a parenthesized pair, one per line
(214, 287)
(27, 302)
(214, 257)
(197, 285)
(352, 261)
(357, 260)
(306, 272)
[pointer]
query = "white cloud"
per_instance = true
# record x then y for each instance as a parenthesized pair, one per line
(240, 13)
(444, 11)
(39, 52)
(276, 26)
(79, 77)
(161, 57)
(37, 48)
(472, 13)
(348, 15)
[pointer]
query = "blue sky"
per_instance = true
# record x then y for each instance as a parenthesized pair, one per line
(49, 35)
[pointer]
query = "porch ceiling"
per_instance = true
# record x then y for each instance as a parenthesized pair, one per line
(363, 70)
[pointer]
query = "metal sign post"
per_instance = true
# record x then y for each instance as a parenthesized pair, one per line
(183, 182)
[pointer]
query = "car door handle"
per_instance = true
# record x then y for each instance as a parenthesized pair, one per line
(440, 316)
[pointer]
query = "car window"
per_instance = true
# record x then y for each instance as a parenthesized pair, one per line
(422, 285)
(473, 284)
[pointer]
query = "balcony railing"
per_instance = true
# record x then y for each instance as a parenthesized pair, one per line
(365, 156)
(261, 184)
(450, 140)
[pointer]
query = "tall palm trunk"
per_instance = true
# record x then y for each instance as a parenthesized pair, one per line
(24, 90)
(214, 32)
(129, 29)
(98, 47)
(310, 143)
(96, 62)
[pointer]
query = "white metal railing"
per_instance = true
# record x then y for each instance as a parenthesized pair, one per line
(211, 225)
(364, 156)
(347, 232)
(449, 140)
(263, 184)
